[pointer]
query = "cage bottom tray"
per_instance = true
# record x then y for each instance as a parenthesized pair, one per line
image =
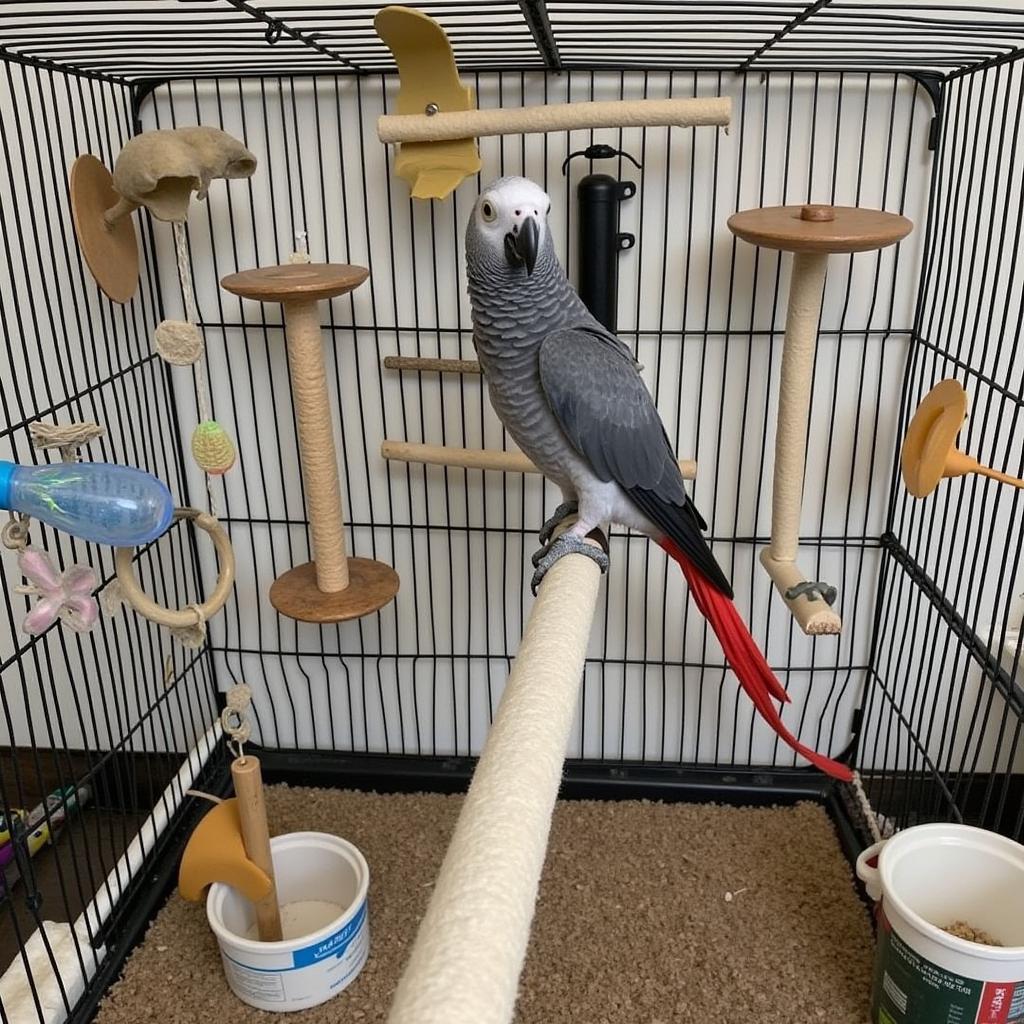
(633, 923)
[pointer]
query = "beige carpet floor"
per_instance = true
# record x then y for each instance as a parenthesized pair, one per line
(633, 926)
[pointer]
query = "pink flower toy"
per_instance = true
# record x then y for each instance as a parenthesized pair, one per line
(67, 596)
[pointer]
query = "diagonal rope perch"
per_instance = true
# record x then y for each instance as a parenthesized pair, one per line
(469, 952)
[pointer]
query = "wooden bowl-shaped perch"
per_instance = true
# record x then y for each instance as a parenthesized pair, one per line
(929, 451)
(109, 244)
(216, 853)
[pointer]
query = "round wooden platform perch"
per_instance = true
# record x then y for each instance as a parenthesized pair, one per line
(811, 233)
(333, 587)
(105, 231)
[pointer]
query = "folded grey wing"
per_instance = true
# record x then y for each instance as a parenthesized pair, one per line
(595, 390)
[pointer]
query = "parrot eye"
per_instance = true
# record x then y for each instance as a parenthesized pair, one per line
(488, 212)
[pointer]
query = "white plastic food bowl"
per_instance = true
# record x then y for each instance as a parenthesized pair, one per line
(322, 882)
(927, 877)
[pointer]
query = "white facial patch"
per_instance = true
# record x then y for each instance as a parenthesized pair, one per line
(511, 199)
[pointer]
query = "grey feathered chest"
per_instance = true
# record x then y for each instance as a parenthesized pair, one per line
(512, 315)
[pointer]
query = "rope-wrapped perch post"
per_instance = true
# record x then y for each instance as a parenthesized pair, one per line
(469, 952)
(811, 233)
(332, 587)
(446, 126)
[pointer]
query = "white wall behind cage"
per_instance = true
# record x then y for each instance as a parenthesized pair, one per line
(705, 314)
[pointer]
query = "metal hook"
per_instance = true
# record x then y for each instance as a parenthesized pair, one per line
(599, 151)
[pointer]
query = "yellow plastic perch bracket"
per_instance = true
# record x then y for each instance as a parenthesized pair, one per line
(429, 84)
(216, 853)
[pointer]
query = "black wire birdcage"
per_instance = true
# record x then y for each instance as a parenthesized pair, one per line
(904, 106)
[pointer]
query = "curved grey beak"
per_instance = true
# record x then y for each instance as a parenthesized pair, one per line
(521, 247)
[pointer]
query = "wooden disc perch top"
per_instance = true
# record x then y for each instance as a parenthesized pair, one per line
(295, 282)
(826, 229)
(333, 587)
(811, 233)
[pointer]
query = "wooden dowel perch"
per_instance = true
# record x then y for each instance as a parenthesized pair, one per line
(479, 458)
(811, 233)
(332, 587)
(467, 124)
(252, 812)
(420, 364)
(469, 951)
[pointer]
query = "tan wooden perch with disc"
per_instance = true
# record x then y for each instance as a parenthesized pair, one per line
(479, 458)
(232, 845)
(811, 233)
(929, 450)
(332, 587)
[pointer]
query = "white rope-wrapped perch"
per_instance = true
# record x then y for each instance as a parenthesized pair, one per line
(469, 952)
(446, 126)
(807, 286)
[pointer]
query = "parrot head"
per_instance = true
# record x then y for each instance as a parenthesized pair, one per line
(510, 218)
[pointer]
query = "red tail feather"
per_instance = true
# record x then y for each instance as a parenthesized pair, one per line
(753, 672)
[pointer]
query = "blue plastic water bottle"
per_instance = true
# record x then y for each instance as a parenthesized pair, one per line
(96, 501)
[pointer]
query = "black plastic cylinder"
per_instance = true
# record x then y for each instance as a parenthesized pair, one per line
(599, 196)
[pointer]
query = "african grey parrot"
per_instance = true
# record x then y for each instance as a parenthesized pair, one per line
(571, 395)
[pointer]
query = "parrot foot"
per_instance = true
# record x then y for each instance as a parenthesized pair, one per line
(567, 544)
(567, 508)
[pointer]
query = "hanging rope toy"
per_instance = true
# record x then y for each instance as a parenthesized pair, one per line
(188, 624)
(233, 719)
(178, 342)
(212, 447)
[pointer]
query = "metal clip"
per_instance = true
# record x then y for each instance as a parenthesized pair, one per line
(599, 151)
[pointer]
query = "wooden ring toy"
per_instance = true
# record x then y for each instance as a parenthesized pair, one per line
(193, 615)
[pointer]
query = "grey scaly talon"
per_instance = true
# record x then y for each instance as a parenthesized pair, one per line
(540, 553)
(567, 544)
(567, 508)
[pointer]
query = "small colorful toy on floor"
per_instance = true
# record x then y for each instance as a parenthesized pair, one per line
(32, 830)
